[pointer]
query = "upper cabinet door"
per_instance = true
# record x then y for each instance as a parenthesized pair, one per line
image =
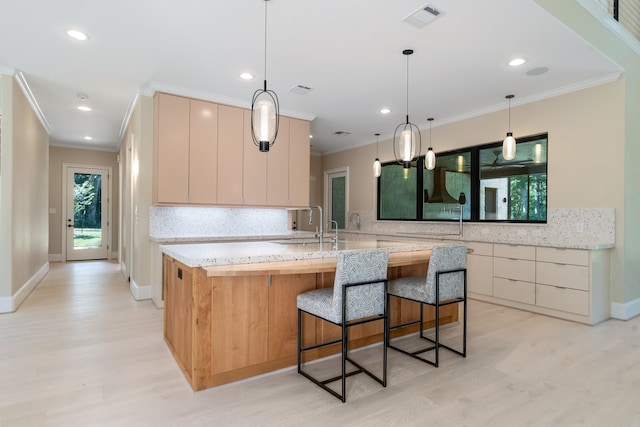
(171, 148)
(278, 167)
(299, 160)
(230, 155)
(203, 153)
(255, 169)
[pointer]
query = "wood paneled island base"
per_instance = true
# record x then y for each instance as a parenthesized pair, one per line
(226, 323)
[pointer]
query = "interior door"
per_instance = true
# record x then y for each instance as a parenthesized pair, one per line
(86, 213)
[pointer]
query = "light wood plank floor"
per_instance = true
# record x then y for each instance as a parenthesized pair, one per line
(81, 352)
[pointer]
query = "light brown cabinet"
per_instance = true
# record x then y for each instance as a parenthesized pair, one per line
(185, 147)
(299, 158)
(171, 151)
(229, 325)
(239, 327)
(178, 313)
(278, 167)
(230, 154)
(254, 182)
(204, 154)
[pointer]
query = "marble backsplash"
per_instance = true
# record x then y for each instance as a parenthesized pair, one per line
(200, 222)
(572, 227)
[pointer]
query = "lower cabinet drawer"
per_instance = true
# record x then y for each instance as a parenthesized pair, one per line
(563, 275)
(564, 299)
(514, 290)
(517, 269)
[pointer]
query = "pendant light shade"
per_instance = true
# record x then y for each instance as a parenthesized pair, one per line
(509, 143)
(265, 109)
(430, 158)
(406, 137)
(377, 167)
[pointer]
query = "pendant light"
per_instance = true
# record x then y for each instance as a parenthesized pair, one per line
(509, 143)
(430, 158)
(377, 167)
(265, 110)
(406, 137)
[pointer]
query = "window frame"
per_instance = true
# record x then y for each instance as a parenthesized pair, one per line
(474, 197)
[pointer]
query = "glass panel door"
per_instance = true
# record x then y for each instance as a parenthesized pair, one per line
(337, 184)
(87, 220)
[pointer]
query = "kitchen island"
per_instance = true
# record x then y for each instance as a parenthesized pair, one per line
(230, 308)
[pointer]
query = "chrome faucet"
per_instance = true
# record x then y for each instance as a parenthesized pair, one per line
(334, 222)
(319, 232)
(357, 215)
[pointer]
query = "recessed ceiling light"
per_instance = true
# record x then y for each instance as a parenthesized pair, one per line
(310, 136)
(385, 110)
(84, 108)
(78, 35)
(88, 138)
(517, 61)
(247, 76)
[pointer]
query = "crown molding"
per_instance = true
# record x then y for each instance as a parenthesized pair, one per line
(153, 87)
(24, 86)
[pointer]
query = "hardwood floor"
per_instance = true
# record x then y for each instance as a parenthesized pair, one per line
(80, 351)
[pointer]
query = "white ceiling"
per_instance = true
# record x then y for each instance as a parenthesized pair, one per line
(348, 51)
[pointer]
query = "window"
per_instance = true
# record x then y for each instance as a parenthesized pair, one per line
(494, 189)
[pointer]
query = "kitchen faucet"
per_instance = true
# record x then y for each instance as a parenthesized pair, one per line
(334, 222)
(319, 232)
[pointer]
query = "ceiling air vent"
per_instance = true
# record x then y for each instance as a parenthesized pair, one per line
(423, 16)
(300, 89)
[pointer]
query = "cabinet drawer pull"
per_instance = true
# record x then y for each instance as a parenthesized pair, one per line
(559, 263)
(559, 287)
(512, 259)
(512, 280)
(180, 273)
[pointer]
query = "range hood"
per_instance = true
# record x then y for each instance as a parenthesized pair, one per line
(440, 193)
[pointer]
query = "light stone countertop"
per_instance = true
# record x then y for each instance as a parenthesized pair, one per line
(214, 254)
(211, 239)
(452, 238)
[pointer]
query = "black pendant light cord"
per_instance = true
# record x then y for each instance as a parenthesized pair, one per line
(408, 86)
(509, 97)
(265, 44)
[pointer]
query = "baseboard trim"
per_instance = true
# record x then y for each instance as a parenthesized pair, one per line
(12, 303)
(625, 311)
(139, 292)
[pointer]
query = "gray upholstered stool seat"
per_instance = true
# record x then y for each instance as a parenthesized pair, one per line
(358, 296)
(319, 303)
(444, 284)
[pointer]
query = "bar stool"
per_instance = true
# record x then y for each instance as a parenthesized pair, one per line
(445, 283)
(358, 296)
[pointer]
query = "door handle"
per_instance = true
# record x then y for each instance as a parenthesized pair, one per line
(69, 225)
